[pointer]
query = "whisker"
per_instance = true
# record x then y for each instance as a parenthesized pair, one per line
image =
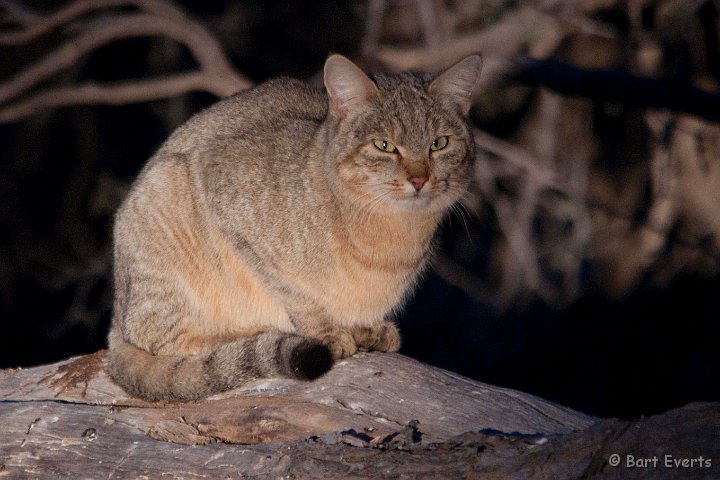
(462, 212)
(367, 208)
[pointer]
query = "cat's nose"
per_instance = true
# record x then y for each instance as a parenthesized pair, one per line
(418, 182)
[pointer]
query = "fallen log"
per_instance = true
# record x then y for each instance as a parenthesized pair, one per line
(373, 415)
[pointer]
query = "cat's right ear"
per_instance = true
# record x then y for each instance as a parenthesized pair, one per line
(346, 84)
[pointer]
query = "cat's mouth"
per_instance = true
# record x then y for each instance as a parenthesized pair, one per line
(432, 196)
(416, 200)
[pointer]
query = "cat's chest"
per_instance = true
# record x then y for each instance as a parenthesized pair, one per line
(359, 292)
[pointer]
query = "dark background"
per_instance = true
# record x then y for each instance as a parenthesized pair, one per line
(64, 171)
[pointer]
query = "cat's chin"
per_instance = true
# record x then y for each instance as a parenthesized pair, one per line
(424, 204)
(413, 203)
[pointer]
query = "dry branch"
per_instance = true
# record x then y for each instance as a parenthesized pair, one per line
(382, 391)
(373, 415)
(158, 18)
(120, 93)
(535, 30)
(677, 231)
(508, 37)
(36, 25)
(517, 157)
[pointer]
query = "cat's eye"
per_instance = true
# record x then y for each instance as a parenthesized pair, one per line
(439, 143)
(385, 146)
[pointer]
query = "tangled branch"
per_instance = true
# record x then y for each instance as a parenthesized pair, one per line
(547, 224)
(156, 18)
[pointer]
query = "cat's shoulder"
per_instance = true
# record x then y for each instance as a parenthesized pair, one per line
(271, 103)
(277, 97)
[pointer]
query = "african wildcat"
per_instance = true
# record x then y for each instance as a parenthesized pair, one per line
(281, 228)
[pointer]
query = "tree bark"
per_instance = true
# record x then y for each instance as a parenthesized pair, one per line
(374, 415)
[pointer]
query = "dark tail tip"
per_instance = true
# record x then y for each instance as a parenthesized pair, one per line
(310, 359)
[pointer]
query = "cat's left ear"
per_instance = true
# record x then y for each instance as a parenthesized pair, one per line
(346, 84)
(459, 81)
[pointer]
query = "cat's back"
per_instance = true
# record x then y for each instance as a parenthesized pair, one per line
(244, 153)
(258, 128)
(281, 108)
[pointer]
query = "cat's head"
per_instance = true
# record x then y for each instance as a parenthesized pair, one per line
(400, 140)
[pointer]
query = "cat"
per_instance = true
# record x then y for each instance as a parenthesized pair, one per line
(280, 229)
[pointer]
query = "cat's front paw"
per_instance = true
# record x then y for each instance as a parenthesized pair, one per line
(340, 342)
(384, 337)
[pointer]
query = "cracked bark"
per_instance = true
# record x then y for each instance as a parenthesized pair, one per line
(379, 415)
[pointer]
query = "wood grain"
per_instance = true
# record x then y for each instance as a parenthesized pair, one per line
(379, 415)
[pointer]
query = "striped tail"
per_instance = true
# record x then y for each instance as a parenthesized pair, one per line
(177, 378)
